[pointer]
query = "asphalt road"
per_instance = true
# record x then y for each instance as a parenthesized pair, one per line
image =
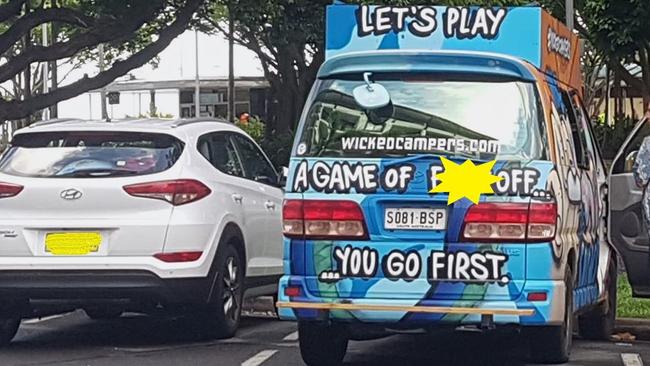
(74, 339)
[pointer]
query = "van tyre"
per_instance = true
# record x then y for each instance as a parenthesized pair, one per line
(220, 318)
(322, 344)
(598, 323)
(552, 344)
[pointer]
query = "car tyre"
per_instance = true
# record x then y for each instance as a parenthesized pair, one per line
(103, 313)
(221, 317)
(275, 306)
(552, 344)
(598, 323)
(322, 344)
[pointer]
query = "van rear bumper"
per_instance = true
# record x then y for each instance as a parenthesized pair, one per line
(457, 310)
(307, 307)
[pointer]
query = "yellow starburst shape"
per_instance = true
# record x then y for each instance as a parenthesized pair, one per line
(465, 180)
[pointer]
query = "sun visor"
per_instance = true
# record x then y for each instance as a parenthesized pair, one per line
(527, 33)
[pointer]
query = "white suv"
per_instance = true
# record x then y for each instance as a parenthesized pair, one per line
(137, 216)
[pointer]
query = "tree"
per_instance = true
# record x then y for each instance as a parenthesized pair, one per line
(134, 32)
(620, 30)
(287, 37)
(595, 87)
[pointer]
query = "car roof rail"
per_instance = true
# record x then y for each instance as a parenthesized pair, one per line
(189, 121)
(52, 122)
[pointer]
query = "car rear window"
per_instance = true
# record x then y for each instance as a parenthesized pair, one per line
(483, 119)
(84, 154)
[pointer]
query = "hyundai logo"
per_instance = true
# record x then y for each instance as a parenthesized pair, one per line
(71, 194)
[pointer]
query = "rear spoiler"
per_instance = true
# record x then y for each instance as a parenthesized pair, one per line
(442, 62)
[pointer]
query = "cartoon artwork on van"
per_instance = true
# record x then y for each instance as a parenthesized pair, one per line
(459, 196)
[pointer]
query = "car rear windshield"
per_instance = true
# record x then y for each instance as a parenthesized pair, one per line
(482, 119)
(89, 154)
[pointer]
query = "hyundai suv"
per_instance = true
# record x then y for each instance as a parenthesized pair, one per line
(137, 215)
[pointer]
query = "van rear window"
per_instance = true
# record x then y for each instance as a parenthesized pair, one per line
(495, 119)
(89, 154)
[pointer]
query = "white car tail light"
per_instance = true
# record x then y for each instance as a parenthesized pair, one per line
(323, 219)
(178, 257)
(9, 190)
(513, 222)
(177, 192)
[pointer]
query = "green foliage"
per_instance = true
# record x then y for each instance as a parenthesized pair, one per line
(276, 22)
(629, 307)
(620, 31)
(611, 138)
(451, 2)
(254, 127)
(132, 32)
(155, 115)
(287, 36)
(278, 148)
(619, 28)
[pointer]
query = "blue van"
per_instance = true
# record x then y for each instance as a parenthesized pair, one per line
(373, 247)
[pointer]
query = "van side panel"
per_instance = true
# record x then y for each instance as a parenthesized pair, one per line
(580, 205)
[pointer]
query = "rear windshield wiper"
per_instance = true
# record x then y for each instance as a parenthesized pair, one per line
(414, 157)
(97, 173)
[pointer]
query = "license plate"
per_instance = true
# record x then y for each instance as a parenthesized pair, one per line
(415, 219)
(78, 243)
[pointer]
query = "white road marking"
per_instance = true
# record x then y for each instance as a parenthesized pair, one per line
(631, 359)
(40, 320)
(259, 358)
(291, 337)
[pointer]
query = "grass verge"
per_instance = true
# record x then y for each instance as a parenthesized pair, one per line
(629, 307)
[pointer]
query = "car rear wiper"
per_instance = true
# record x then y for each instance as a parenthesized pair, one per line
(414, 157)
(98, 173)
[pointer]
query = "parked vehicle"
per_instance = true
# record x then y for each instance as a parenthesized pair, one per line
(372, 251)
(137, 215)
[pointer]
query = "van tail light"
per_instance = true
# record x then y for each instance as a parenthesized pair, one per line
(323, 219)
(513, 222)
(9, 190)
(177, 192)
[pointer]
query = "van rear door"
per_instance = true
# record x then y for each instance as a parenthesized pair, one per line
(430, 117)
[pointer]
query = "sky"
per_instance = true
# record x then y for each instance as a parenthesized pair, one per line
(176, 62)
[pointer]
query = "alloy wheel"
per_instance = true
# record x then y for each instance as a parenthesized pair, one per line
(231, 289)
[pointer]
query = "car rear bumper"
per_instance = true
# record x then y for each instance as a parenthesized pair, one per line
(112, 264)
(419, 312)
(79, 287)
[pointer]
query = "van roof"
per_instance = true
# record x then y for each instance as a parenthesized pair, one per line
(526, 33)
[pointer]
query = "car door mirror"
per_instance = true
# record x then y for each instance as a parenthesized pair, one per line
(630, 159)
(266, 180)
